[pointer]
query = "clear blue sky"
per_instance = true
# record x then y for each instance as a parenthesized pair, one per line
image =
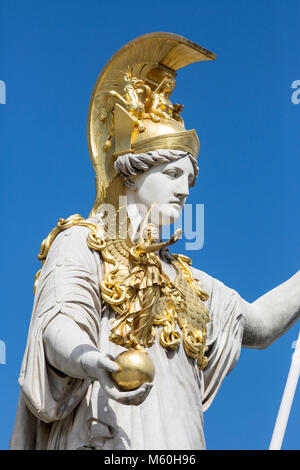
(51, 54)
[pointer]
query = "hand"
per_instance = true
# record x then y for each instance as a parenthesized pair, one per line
(176, 235)
(99, 366)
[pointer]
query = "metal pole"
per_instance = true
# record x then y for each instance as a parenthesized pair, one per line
(287, 400)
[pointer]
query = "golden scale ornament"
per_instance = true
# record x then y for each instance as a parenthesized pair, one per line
(131, 112)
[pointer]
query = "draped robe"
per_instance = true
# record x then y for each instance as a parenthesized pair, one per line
(56, 411)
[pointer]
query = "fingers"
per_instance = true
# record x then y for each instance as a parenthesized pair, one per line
(134, 397)
(178, 234)
(107, 363)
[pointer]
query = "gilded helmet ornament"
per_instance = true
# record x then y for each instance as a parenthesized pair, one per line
(130, 109)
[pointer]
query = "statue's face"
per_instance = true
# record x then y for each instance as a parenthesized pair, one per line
(166, 184)
(169, 85)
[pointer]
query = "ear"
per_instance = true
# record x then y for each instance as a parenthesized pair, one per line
(129, 182)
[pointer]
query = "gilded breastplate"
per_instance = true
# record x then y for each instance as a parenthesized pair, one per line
(148, 303)
(145, 300)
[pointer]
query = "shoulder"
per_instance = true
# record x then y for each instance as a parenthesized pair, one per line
(70, 269)
(208, 282)
(218, 293)
(68, 242)
(227, 309)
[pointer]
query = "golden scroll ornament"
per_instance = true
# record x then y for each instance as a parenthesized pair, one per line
(142, 295)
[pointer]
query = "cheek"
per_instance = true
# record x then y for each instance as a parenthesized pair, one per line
(152, 189)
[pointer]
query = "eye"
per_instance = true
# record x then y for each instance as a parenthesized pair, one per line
(172, 172)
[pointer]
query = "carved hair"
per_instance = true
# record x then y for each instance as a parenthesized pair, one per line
(131, 164)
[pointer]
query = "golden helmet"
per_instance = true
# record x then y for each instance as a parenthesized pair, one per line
(130, 109)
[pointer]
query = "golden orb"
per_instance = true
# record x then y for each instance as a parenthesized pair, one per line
(136, 368)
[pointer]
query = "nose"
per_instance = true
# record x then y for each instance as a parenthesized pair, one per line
(183, 189)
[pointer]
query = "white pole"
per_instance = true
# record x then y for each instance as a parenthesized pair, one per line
(287, 400)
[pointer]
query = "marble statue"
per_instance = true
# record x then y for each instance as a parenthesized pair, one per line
(109, 283)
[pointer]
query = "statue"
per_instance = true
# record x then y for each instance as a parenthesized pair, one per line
(109, 284)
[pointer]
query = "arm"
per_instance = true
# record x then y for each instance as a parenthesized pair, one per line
(273, 314)
(69, 349)
(156, 107)
(69, 286)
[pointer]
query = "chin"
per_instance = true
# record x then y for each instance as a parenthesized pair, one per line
(166, 217)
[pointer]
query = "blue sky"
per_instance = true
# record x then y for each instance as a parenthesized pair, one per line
(51, 54)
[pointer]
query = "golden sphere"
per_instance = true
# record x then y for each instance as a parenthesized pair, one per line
(136, 368)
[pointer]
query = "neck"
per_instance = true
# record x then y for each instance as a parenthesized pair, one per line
(137, 213)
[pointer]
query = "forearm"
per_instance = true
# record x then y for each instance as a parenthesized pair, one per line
(70, 350)
(272, 314)
(67, 347)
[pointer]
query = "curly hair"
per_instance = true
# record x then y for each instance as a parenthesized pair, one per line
(131, 164)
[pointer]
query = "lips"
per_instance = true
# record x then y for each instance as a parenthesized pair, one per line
(177, 203)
